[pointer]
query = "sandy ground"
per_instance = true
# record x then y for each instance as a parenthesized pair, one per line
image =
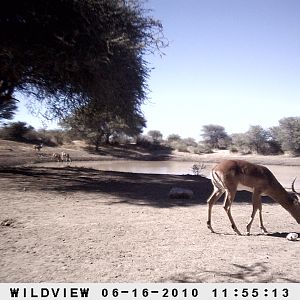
(82, 225)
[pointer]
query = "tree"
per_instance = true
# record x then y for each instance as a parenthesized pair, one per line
(257, 139)
(190, 142)
(239, 142)
(156, 135)
(173, 138)
(16, 131)
(69, 53)
(100, 126)
(215, 136)
(7, 108)
(288, 134)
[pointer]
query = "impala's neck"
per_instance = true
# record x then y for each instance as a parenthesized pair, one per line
(278, 193)
(286, 200)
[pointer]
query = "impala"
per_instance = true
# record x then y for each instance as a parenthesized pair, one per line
(38, 147)
(56, 156)
(65, 157)
(229, 176)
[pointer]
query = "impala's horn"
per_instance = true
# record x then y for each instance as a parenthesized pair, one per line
(293, 187)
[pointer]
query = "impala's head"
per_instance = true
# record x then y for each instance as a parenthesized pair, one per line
(294, 200)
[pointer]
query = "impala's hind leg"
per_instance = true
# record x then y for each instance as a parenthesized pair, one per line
(227, 206)
(215, 196)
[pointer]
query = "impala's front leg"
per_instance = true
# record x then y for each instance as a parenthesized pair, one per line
(256, 203)
(261, 225)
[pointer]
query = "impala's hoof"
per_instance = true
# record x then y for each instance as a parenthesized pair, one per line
(263, 230)
(209, 227)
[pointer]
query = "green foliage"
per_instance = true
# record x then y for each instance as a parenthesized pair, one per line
(173, 138)
(146, 141)
(239, 142)
(16, 131)
(215, 136)
(287, 134)
(190, 142)
(182, 145)
(97, 126)
(202, 149)
(155, 135)
(68, 53)
(198, 168)
(8, 107)
(53, 137)
(257, 139)
(23, 132)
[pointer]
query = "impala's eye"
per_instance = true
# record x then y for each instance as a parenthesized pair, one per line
(295, 199)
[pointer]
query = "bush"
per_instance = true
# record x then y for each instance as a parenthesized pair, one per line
(23, 132)
(180, 146)
(203, 149)
(173, 138)
(54, 137)
(198, 168)
(18, 131)
(287, 134)
(147, 142)
(255, 140)
(215, 136)
(175, 142)
(233, 149)
(144, 141)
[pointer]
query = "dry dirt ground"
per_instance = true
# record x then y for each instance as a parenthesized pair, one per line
(82, 225)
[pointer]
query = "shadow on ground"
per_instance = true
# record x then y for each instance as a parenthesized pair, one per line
(281, 234)
(132, 188)
(257, 272)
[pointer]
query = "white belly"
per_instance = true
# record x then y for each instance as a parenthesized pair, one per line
(244, 188)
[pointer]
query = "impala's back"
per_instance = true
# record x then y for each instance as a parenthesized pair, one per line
(243, 175)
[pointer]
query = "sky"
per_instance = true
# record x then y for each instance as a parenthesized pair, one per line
(233, 63)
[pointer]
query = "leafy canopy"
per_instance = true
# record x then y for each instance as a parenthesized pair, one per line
(69, 53)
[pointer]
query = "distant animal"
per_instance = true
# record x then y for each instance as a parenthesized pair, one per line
(56, 156)
(231, 175)
(65, 157)
(38, 147)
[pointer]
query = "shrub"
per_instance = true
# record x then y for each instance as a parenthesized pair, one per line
(17, 131)
(198, 168)
(287, 134)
